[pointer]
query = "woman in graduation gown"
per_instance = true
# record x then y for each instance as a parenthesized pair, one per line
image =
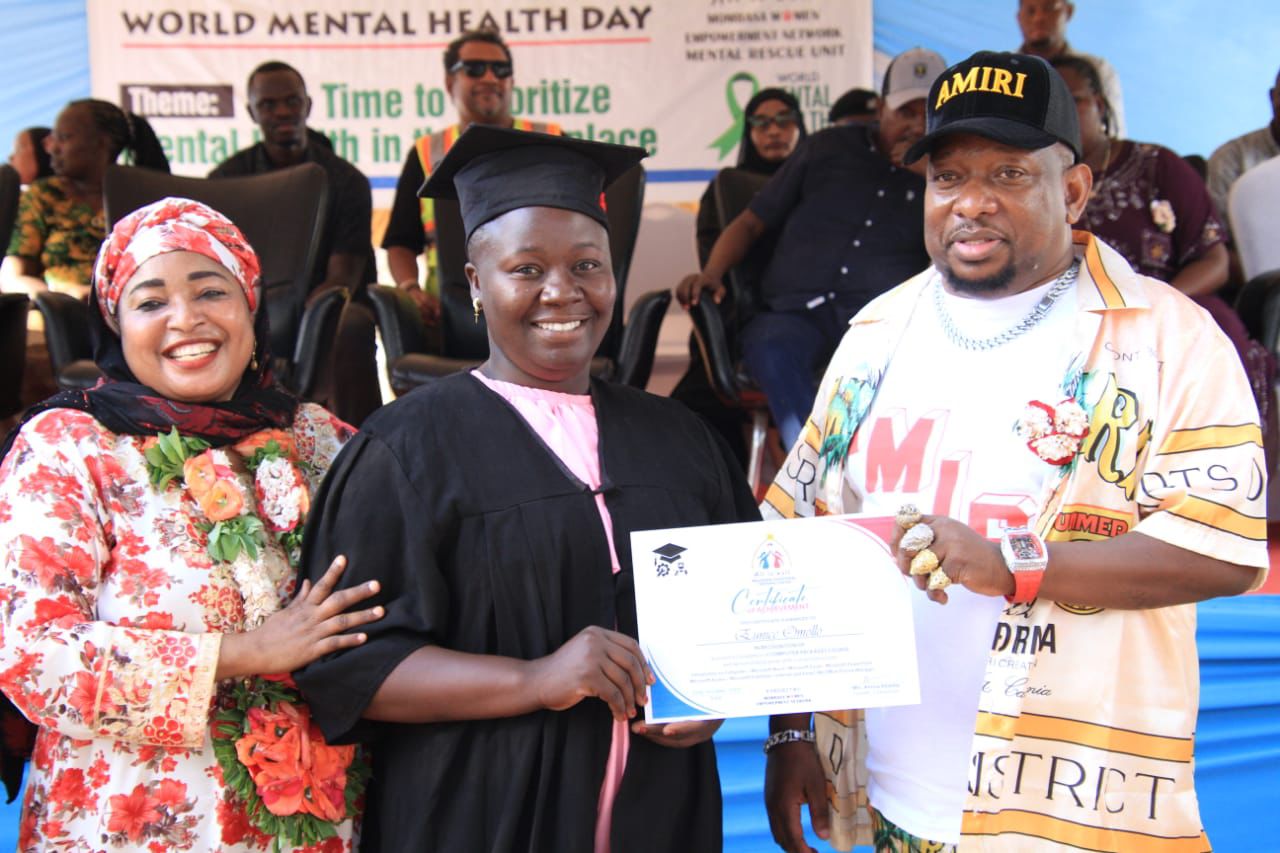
(499, 693)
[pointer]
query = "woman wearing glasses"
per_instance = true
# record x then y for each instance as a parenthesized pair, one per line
(772, 129)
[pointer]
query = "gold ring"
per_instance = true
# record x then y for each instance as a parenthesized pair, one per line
(938, 579)
(917, 536)
(924, 562)
(908, 516)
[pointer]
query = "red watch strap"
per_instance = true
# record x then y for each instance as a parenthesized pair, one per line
(1026, 586)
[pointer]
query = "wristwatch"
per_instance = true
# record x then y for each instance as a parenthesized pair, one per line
(1025, 555)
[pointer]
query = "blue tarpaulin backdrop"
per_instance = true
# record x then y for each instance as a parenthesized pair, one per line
(1195, 74)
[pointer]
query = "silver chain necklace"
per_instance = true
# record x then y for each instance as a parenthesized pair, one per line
(1064, 283)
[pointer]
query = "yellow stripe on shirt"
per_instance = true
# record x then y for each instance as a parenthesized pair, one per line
(1107, 289)
(783, 503)
(1087, 734)
(1217, 437)
(1220, 517)
(1079, 835)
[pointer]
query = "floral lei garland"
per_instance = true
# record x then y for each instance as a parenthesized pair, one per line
(293, 785)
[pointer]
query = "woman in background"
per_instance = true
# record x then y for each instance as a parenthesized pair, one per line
(1150, 205)
(773, 127)
(60, 221)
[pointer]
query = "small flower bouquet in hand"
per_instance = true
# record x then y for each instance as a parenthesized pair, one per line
(294, 786)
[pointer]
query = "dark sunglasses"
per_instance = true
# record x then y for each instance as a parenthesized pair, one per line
(476, 68)
(781, 120)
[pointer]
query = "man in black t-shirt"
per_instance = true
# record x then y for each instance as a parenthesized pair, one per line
(849, 221)
(278, 102)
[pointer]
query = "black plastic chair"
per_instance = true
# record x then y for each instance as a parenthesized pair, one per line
(625, 355)
(1258, 304)
(281, 214)
(716, 327)
(68, 339)
(13, 350)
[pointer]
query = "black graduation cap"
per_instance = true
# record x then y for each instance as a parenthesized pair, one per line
(494, 170)
(669, 552)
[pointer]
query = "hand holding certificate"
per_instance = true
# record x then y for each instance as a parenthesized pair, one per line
(773, 617)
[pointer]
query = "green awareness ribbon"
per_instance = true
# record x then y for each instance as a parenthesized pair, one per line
(728, 140)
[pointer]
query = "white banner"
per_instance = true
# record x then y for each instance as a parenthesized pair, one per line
(669, 75)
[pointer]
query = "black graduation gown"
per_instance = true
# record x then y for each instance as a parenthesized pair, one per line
(484, 543)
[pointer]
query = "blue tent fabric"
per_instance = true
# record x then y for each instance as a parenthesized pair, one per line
(44, 62)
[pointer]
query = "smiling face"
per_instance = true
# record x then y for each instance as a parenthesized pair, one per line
(185, 328)
(545, 279)
(775, 141)
(278, 102)
(485, 99)
(998, 219)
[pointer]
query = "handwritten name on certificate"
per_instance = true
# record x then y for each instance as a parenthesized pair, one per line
(774, 617)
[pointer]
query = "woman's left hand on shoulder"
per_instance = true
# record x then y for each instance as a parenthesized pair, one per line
(678, 734)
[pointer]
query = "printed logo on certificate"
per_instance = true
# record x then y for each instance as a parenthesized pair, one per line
(774, 617)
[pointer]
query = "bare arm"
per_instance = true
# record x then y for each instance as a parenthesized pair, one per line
(1205, 275)
(729, 250)
(403, 264)
(21, 275)
(434, 684)
(1129, 572)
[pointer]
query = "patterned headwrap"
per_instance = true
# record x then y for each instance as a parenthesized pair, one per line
(171, 225)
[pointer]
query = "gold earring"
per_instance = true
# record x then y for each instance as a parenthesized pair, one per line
(476, 309)
(253, 360)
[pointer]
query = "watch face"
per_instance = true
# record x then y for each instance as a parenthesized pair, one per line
(1025, 547)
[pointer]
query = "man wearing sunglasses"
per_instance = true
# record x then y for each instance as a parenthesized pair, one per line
(847, 217)
(479, 75)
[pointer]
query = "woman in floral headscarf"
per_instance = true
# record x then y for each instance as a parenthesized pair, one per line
(151, 526)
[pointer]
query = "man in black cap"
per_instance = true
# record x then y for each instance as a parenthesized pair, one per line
(497, 695)
(847, 217)
(856, 106)
(1032, 412)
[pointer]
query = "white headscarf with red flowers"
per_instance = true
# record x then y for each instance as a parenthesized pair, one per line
(171, 225)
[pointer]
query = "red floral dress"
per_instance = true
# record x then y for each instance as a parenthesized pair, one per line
(111, 616)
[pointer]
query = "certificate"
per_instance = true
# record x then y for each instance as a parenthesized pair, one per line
(774, 617)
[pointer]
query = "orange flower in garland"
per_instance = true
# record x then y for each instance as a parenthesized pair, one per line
(199, 475)
(284, 441)
(292, 767)
(223, 501)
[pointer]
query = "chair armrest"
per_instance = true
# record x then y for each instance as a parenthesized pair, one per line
(640, 338)
(66, 328)
(316, 334)
(416, 368)
(713, 341)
